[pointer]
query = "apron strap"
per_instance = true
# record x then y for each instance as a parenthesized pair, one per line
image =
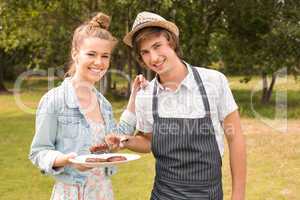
(155, 102)
(202, 90)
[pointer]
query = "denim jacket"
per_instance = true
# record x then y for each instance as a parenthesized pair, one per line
(61, 128)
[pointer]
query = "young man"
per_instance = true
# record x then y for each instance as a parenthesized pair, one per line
(181, 116)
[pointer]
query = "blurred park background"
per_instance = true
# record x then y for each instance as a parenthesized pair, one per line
(255, 43)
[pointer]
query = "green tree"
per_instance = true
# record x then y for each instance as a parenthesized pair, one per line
(248, 36)
(261, 38)
(36, 34)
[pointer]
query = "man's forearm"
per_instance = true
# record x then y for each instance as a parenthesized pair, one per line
(238, 167)
(237, 151)
(139, 143)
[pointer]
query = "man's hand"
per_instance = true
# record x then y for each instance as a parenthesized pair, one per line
(139, 143)
(115, 142)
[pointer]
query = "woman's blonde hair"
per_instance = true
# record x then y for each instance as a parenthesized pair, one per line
(96, 27)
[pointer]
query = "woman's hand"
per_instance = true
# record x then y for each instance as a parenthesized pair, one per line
(81, 167)
(64, 160)
(139, 83)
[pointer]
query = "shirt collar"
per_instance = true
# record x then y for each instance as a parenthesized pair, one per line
(187, 82)
(70, 95)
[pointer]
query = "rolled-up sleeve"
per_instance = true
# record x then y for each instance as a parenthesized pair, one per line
(129, 118)
(42, 153)
(143, 109)
(126, 124)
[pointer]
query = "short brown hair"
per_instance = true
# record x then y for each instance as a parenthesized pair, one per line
(157, 31)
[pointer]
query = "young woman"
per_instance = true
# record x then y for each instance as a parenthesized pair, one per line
(75, 116)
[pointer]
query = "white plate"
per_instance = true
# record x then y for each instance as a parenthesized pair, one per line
(81, 159)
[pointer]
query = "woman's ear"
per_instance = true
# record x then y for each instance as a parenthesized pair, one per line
(74, 54)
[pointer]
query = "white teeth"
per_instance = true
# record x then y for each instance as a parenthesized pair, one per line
(158, 65)
(95, 70)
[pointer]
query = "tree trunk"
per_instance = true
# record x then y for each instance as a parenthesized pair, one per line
(103, 85)
(138, 69)
(270, 90)
(149, 75)
(267, 91)
(2, 86)
(92, 5)
(108, 81)
(129, 56)
(129, 62)
(265, 88)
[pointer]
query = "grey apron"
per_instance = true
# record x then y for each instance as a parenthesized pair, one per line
(188, 161)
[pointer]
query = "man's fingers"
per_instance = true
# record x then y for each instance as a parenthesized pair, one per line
(71, 155)
(113, 141)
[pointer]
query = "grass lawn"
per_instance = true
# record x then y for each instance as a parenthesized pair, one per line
(273, 158)
(286, 91)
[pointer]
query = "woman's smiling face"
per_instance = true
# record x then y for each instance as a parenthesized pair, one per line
(92, 59)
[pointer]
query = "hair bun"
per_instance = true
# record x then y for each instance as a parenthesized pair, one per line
(101, 20)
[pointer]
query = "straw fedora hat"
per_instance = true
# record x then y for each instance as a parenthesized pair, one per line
(148, 19)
